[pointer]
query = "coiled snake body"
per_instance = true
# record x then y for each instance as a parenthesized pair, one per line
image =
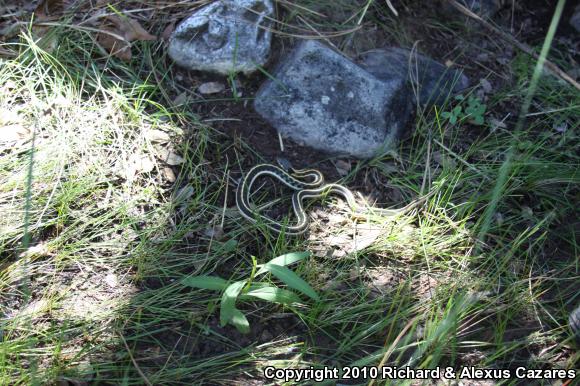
(314, 188)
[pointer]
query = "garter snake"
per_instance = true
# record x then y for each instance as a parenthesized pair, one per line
(314, 188)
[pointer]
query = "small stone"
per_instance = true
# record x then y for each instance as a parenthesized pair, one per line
(211, 88)
(169, 157)
(225, 36)
(174, 159)
(180, 99)
(326, 101)
(486, 86)
(157, 136)
(434, 81)
(169, 174)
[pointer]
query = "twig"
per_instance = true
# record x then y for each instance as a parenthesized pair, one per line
(553, 68)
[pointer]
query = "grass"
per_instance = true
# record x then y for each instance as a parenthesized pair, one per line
(95, 238)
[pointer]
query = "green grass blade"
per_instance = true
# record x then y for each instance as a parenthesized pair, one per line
(504, 171)
(205, 282)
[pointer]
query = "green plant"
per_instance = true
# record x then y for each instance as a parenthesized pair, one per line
(249, 290)
(474, 111)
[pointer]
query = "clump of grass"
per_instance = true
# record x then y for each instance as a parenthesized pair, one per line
(73, 201)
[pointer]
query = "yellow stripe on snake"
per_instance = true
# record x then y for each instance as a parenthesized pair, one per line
(314, 188)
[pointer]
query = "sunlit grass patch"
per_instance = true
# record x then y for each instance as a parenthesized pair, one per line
(75, 192)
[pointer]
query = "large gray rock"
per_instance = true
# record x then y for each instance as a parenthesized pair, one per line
(322, 99)
(225, 36)
(432, 81)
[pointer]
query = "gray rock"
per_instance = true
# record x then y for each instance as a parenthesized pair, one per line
(322, 99)
(575, 19)
(433, 81)
(225, 36)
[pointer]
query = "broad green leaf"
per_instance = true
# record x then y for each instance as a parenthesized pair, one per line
(240, 321)
(284, 260)
(228, 303)
(205, 282)
(274, 294)
(291, 280)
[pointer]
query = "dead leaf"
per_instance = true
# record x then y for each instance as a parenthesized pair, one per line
(134, 31)
(364, 239)
(216, 232)
(115, 46)
(166, 34)
(118, 33)
(211, 88)
(157, 136)
(342, 167)
(184, 194)
(169, 157)
(48, 9)
(173, 159)
(139, 164)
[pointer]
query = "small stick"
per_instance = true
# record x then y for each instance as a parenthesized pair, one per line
(281, 142)
(510, 39)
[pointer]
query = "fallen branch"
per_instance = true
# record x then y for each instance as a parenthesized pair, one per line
(550, 66)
